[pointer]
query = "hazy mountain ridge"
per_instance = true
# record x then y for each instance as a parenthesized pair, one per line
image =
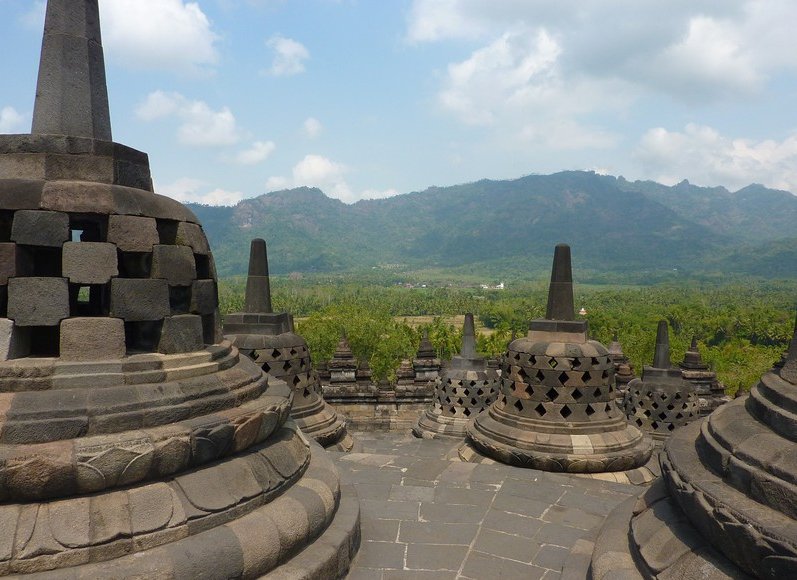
(611, 223)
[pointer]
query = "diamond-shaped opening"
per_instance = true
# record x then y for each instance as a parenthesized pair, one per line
(662, 416)
(293, 352)
(646, 413)
(577, 394)
(565, 411)
(296, 380)
(598, 392)
(671, 407)
(605, 375)
(447, 400)
(590, 411)
(586, 377)
(552, 394)
(654, 425)
(595, 361)
(540, 375)
(519, 406)
(671, 427)
(533, 360)
(275, 353)
(529, 391)
(655, 405)
(307, 392)
(563, 377)
(266, 367)
(664, 396)
(553, 363)
(459, 402)
(541, 410)
(607, 408)
(677, 396)
(639, 422)
(286, 366)
(473, 402)
(522, 374)
(466, 412)
(679, 416)
(480, 392)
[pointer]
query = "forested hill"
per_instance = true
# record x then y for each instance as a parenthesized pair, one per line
(503, 227)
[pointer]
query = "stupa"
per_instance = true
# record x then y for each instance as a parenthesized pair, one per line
(465, 389)
(623, 369)
(426, 363)
(134, 441)
(557, 409)
(710, 392)
(269, 339)
(343, 366)
(726, 505)
(661, 401)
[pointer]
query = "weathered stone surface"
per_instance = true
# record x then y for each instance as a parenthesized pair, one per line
(40, 228)
(191, 235)
(203, 297)
(14, 261)
(181, 333)
(14, 343)
(132, 233)
(174, 264)
(139, 300)
(38, 301)
(89, 262)
(84, 339)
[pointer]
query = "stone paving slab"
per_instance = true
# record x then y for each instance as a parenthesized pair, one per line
(426, 516)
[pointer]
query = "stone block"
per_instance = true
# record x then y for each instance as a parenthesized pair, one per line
(181, 333)
(40, 228)
(84, 339)
(174, 264)
(14, 261)
(192, 235)
(13, 342)
(203, 297)
(138, 300)
(132, 233)
(89, 262)
(38, 301)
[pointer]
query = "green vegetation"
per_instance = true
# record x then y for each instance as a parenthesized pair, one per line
(742, 327)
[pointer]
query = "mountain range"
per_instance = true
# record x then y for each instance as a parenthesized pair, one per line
(508, 229)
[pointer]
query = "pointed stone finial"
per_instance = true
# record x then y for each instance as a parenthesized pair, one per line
(560, 292)
(468, 338)
(425, 349)
(258, 287)
(661, 356)
(789, 370)
(71, 94)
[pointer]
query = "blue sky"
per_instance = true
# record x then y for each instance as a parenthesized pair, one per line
(369, 98)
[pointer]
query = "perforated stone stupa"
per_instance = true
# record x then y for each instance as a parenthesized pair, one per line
(269, 339)
(134, 441)
(465, 389)
(623, 369)
(557, 409)
(725, 506)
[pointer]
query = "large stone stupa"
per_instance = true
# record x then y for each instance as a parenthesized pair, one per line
(726, 505)
(466, 388)
(268, 338)
(557, 409)
(134, 441)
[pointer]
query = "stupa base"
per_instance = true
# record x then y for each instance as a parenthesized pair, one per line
(432, 425)
(319, 421)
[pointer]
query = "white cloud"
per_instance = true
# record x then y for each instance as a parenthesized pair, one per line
(257, 153)
(289, 56)
(169, 35)
(705, 156)
(11, 121)
(691, 50)
(312, 127)
(188, 189)
(200, 126)
(378, 194)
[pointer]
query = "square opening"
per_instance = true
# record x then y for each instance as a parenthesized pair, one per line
(202, 267)
(3, 301)
(6, 220)
(89, 300)
(180, 299)
(45, 341)
(167, 231)
(88, 228)
(142, 336)
(42, 261)
(209, 328)
(134, 264)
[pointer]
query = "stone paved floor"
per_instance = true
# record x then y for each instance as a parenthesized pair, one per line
(424, 516)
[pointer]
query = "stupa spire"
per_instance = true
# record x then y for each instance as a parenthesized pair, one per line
(71, 94)
(258, 286)
(560, 292)
(661, 356)
(468, 338)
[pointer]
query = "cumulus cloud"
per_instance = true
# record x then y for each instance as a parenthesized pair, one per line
(200, 125)
(289, 56)
(257, 153)
(11, 121)
(710, 158)
(169, 35)
(312, 127)
(693, 50)
(188, 189)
